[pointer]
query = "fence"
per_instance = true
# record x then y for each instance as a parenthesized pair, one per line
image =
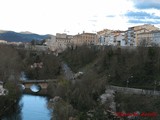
(133, 90)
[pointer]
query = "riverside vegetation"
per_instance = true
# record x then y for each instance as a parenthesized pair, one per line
(101, 66)
(10, 69)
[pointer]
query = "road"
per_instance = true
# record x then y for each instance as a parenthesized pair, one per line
(68, 73)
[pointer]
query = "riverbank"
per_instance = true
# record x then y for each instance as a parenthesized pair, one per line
(8, 108)
(31, 107)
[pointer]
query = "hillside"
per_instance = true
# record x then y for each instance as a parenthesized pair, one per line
(12, 36)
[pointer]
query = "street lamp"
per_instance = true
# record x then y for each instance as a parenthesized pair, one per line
(128, 80)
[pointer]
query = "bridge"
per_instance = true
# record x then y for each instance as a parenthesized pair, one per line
(43, 84)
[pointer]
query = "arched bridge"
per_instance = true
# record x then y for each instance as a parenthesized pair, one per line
(42, 83)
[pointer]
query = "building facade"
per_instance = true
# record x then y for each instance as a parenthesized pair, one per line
(111, 38)
(85, 39)
(149, 38)
(132, 33)
(2, 90)
(59, 42)
(104, 36)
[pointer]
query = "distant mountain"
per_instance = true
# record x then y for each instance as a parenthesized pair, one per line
(12, 36)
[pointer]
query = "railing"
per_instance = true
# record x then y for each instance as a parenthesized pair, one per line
(134, 90)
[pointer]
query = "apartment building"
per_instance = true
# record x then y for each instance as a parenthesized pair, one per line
(149, 38)
(132, 32)
(111, 38)
(103, 36)
(85, 39)
(121, 39)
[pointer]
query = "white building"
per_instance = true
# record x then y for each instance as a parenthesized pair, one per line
(103, 37)
(111, 38)
(2, 90)
(120, 39)
(3, 42)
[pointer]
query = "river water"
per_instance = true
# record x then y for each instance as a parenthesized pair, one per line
(31, 107)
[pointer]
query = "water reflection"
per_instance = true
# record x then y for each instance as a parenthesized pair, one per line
(35, 88)
(31, 107)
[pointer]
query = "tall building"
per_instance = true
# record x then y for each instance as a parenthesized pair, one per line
(132, 32)
(103, 36)
(59, 42)
(149, 38)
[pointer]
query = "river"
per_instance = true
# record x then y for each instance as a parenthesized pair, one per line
(31, 107)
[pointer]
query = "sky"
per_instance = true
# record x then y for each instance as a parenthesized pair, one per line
(75, 16)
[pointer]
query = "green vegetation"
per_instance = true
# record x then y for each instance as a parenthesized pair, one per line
(139, 66)
(40, 65)
(116, 66)
(82, 95)
(79, 57)
(10, 64)
(10, 68)
(133, 103)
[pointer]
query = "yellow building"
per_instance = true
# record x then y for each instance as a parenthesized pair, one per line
(149, 38)
(85, 39)
(104, 32)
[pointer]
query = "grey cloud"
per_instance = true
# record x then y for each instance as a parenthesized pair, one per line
(141, 15)
(136, 21)
(92, 20)
(147, 4)
(110, 16)
(95, 16)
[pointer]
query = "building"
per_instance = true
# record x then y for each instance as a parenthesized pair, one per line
(111, 37)
(63, 40)
(131, 34)
(149, 38)
(3, 42)
(104, 36)
(50, 42)
(59, 42)
(85, 39)
(120, 39)
(2, 90)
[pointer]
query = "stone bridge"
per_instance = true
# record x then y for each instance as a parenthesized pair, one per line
(42, 83)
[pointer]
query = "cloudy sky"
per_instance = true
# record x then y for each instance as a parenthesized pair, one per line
(75, 16)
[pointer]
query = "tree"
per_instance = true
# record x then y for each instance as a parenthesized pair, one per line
(10, 64)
